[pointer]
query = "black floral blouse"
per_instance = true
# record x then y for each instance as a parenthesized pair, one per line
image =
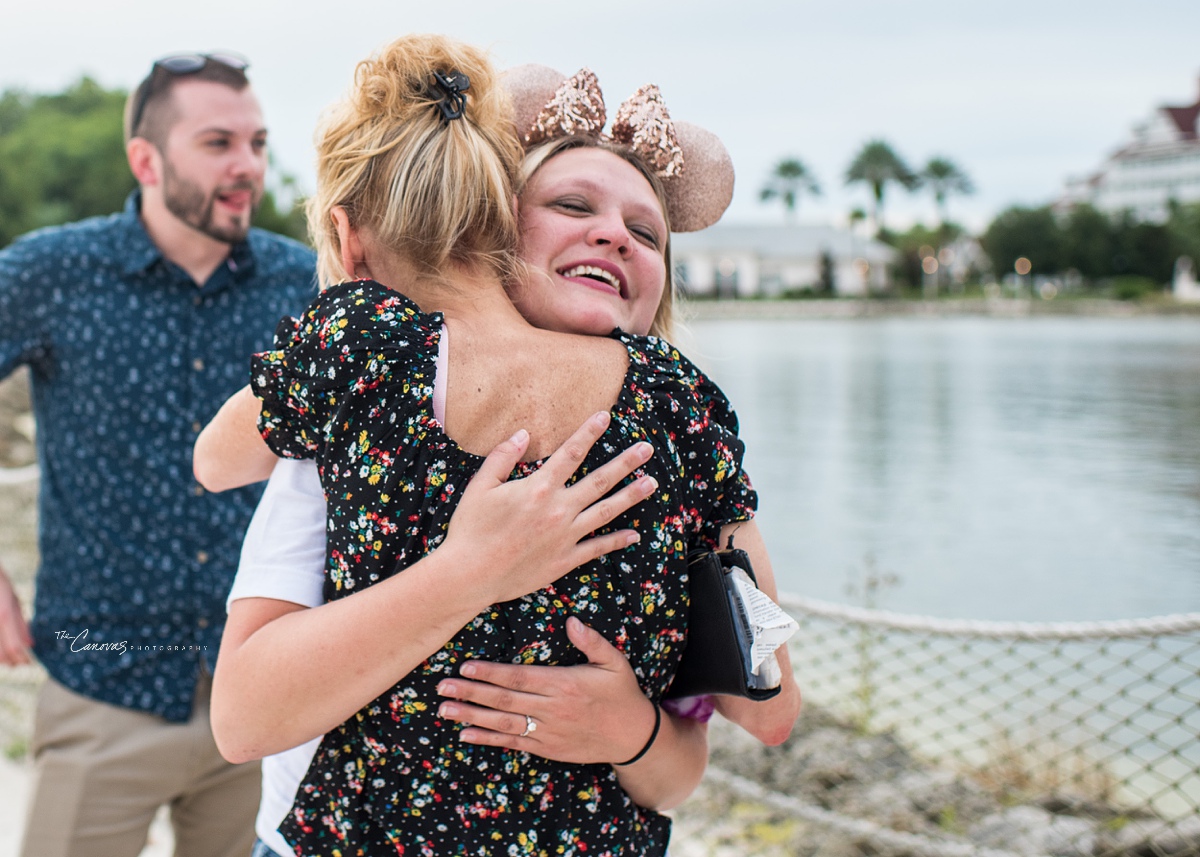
(351, 385)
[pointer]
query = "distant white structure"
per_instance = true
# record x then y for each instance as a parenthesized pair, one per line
(746, 260)
(1184, 285)
(1161, 163)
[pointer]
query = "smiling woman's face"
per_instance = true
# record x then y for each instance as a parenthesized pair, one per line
(592, 236)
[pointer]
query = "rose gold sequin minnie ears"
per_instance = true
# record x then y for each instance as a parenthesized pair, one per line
(576, 107)
(693, 164)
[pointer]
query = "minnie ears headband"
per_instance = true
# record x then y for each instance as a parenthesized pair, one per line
(693, 165)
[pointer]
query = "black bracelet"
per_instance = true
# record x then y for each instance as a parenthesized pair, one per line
(649, 741)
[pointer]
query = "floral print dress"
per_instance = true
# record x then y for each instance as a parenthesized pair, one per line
(350, 384)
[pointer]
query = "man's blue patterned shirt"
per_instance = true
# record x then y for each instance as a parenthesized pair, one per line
(129, 359)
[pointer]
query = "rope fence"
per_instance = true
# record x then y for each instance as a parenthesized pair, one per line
(1098, 722)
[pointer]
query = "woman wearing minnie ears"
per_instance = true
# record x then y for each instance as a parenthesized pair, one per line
(633, 596)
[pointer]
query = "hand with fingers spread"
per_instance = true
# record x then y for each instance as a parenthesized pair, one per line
(579, 713)
(553, 518)
(15, 639)
(587, 714)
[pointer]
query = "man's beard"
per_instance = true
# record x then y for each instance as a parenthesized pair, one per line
(189, 203)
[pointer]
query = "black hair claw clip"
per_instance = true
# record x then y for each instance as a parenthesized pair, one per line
(454, 100)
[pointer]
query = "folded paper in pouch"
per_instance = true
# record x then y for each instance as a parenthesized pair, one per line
(726, 653)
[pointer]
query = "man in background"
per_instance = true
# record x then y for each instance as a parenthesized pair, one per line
(136, 327)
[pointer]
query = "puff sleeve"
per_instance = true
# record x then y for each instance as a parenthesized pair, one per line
(730, 491)
(360, 347)
(700, 427)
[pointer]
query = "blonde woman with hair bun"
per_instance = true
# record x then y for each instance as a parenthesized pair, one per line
(447, 429)
(456, 204)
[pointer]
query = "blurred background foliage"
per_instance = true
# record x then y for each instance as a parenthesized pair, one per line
(1092, 243)
(62, 158)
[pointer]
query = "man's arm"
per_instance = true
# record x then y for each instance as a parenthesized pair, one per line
(15, 639)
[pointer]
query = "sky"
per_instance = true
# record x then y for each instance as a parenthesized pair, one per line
(1019, 94)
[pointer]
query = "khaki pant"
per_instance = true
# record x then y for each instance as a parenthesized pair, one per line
(103, 771)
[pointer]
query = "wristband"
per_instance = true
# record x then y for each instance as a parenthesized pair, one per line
(649, 741)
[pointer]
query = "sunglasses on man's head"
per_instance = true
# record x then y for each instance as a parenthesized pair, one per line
(178, 65)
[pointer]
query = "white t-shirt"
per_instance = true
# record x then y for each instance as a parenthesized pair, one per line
(283, 554)
(283, 557)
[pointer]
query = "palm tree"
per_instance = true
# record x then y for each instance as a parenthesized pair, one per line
(877, 165)
(943, 177)
(787, 181)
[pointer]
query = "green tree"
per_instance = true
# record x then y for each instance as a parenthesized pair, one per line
(913, 246)
(877, 165)
(943, 178)
(1142, 250)
(1029, 232)
(287, 220)
(1183, 226)
(1088, 242)
(827, 275)
(1108, 252)
(62, 158)
(788, 180)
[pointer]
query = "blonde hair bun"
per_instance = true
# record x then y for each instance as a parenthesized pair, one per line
(398, 82)
(431, 190)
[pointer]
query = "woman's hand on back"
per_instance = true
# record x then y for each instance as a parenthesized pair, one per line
(535, 529)
(590, 713)
(583, 714)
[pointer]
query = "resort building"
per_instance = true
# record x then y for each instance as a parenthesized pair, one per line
(728, 260)
(1159, 164)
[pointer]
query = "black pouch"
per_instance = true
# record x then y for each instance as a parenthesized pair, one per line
(719, 637)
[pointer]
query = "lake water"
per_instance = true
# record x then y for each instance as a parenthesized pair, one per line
(1042, 469)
